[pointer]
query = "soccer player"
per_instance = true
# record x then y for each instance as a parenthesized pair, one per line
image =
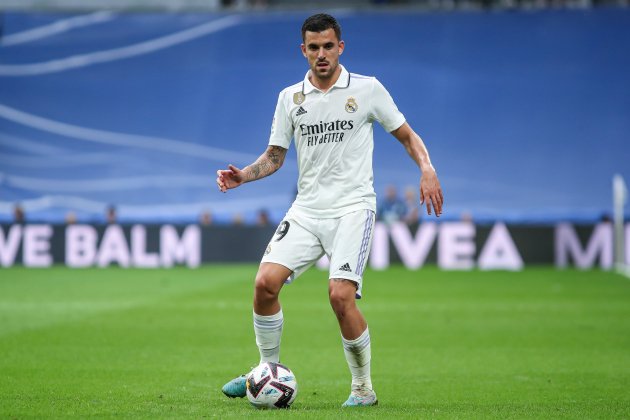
(329, 115)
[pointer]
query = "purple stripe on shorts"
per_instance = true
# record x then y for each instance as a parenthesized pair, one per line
(367, 243)
(367, 230)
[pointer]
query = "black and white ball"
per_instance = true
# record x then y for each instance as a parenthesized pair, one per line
(271, 385)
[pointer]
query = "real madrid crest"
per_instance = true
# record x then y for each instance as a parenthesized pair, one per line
(298, 98)
(351, 105)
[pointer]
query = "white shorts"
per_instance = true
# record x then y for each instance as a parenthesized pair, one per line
(300, 241)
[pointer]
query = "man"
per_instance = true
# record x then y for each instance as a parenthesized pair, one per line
(392, 208)
(330, 115)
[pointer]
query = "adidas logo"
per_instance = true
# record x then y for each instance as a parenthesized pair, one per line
(345, 267)
(300, 111)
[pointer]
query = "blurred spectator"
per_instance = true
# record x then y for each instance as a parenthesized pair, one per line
(238, 220)
(412, 206)
(244, 4)
(18, 214)
(260, 4)
(205, 219)
(110, 215)
(262, 218)
(71, 218)
(466, 216)
(392, 208)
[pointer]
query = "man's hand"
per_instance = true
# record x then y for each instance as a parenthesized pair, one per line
(230, 178)
(266, 164)
(431, 192)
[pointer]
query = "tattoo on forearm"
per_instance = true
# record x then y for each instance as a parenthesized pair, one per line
(274, 156)
(268, 163)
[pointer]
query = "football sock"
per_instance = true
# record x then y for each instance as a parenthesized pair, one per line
(268, 330)
(358, 355)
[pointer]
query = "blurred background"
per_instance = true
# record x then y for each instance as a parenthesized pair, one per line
(126, 109)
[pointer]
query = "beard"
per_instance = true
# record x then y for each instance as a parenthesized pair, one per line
(324, 72)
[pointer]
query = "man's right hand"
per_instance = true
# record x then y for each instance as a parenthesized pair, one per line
(230, 178)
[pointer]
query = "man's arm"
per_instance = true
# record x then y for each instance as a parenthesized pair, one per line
(268, 163)
(430, 190)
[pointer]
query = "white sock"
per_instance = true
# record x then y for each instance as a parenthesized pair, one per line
(268, 330)
(358, 355)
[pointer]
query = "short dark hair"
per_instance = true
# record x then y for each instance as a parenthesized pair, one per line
(319, 23)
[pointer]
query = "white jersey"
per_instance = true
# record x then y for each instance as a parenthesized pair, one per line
(334, 141)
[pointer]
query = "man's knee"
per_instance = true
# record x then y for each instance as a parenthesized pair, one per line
(269, 281)
(265, 288)
(341, 293)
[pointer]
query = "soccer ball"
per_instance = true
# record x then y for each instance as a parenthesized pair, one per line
(271, 385)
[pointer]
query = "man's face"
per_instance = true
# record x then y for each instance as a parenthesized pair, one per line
(322, 50)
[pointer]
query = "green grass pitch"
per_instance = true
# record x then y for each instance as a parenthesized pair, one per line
(136, 343)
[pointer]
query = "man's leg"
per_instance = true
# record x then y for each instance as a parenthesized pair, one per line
(268, 320)
(356, 340)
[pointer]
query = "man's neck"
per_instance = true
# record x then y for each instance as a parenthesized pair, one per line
(325, 84)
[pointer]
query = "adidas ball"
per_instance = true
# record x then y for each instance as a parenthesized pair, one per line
(271, 385)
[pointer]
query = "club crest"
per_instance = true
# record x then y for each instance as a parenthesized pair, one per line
(298, 98)
(351, 105)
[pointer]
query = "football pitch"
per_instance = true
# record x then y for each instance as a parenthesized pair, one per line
(137, 343)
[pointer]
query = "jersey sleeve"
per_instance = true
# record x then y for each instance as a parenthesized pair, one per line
(384, 110)
(282, 126)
